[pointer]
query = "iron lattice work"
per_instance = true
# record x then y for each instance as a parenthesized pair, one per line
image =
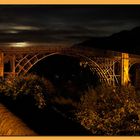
(25, 62)
(107, 64)
(22, 63)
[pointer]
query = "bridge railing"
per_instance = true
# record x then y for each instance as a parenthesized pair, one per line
(57, 48)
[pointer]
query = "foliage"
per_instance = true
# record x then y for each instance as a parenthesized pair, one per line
(33, 86)
(109, 111)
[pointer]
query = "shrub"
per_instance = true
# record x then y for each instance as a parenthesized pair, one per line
(109, 111)
(33, 86)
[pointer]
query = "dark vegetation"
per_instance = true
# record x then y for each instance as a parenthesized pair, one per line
(110, 111)
(31, 98)
(26, 97)
(101, 111)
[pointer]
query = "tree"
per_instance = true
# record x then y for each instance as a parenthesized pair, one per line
(109, 111)
(29, 86)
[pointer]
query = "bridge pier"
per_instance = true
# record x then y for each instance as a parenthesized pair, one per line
(125, 69)
(12, 64)
(1, 64)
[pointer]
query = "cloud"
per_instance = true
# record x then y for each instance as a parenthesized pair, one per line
(61, 23)
(24, 28)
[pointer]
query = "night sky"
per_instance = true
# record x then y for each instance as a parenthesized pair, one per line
(67, 23)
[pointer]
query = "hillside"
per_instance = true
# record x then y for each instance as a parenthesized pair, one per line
(124, 41)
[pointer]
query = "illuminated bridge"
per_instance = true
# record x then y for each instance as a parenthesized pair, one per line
(113, 68)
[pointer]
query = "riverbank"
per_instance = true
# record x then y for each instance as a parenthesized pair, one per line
(11, 125)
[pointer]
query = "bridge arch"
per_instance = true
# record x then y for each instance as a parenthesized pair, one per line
(134, 74)
(28, 61)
